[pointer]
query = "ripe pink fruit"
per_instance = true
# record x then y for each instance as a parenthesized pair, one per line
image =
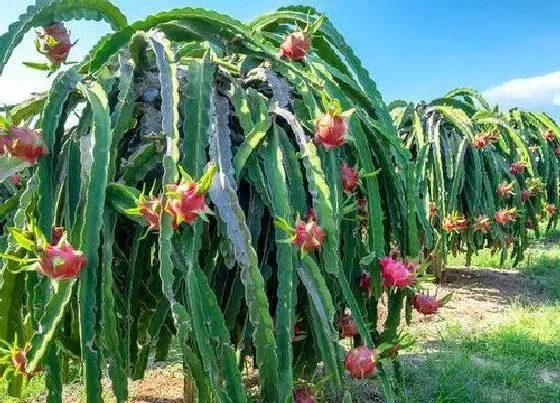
(505, 216)
(525, 195)
(479, 141)
(304, 395)
(557, 151)
(549, 135)
(348, 327)
(462, 224)
(517, 168)
(151, 211)
(360, 362)
(309, 236)
(349, 178)
(295, 46)
(482, 224)
(426, 304)
(16, 180)
(505, 190)
(365, 283)
(61, 262)
(551, 209)
(330, 130)
(185, 203)
(395, 273)
(55, 43)
(25, 143)
(448, 224)
(453, 223)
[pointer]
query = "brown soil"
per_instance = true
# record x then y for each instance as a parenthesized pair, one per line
(481, 298)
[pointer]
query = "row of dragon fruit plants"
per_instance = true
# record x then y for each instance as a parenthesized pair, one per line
(241, 188)
(487, 178)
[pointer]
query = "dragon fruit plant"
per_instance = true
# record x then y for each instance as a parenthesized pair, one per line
(174, 205)
(474, 163)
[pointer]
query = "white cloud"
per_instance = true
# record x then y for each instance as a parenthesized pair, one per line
(540, 93)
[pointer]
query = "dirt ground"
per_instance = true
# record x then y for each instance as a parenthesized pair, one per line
(481, 298)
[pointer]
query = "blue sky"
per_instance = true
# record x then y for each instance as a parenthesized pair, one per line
(413, 49)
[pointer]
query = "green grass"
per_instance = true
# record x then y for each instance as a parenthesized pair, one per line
(33, 388)
(517, 360)
(509, 363)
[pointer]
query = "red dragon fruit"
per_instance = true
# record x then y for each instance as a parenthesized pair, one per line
(395, 273)
(505, 216)
(479, 141)
(462, 224)
(425, 304)
(448, 224)
(330, 130)
(557, 151)
(482, 224)
(455, 223)
(360, 362)
(61, 262)
(24, 143)
(549, 135)
(349, 178)
(54, 42)
(308, 235)
(304, 394)
(348, 327)
(295, 46)
(186, 202)
(525, 195)
(505, 190)
(517, 168)
(551, 209)
(150, 209)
